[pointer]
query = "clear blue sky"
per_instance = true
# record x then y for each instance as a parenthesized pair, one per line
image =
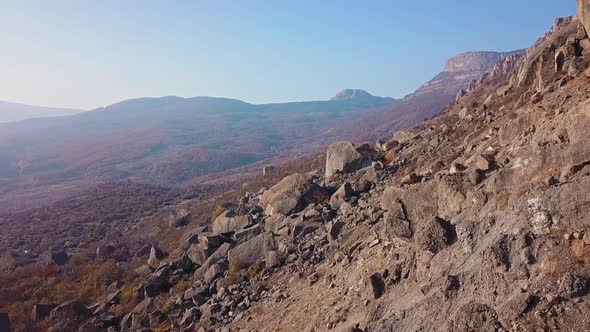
(91, 53)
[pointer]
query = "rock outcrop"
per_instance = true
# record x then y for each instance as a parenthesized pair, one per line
(584, 13)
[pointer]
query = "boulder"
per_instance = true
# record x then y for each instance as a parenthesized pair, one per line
(435, 234)
(248, 253)
(396, 222)
(40, 311)
(215, 271)
(480, 162)
(178, 218)
(154, 285)
(155, 256)
(377, 285)
(246, 234)
(334, 230)
(198, 295)
(292, 194)
(343, 157)
(209, 242)
(71, 310)
(341, 195)
(229, 222)
(584, 13)
(273, 259)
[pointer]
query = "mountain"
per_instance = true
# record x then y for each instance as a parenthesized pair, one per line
(10, 112)
(161, 141)
(462, 69)
(428, 100)
(359, 95)
(175, 141)
(473, 220)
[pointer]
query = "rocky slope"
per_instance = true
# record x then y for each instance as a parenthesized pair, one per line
(473, 221)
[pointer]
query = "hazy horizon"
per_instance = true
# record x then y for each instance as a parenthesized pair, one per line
(82, 55)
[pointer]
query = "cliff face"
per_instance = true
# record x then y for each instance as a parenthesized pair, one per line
(460, 70)
(584, 13)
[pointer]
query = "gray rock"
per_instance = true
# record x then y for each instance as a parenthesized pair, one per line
(247, 233)
(215, 271)
(273, 259)
(248, 253)
(229, 222)
(341, 195)
(292, 194)
(178, 218)
(345, 158)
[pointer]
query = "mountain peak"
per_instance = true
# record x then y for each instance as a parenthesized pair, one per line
(348, 94)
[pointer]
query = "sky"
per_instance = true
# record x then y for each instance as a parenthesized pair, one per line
(92, 53)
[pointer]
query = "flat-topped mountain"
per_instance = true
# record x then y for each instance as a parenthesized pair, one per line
(475, 61)
(460, 70)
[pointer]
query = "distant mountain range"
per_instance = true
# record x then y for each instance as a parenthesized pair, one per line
(172, 140)
(10, 112)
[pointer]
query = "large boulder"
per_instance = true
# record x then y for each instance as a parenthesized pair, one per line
(248, 253)
(229, 222)
(345, 158)
(584, 13)
(292, 194)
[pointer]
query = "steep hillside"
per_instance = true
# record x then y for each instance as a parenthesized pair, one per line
(473, 221)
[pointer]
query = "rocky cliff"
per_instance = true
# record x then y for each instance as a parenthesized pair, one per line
(460, 70)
